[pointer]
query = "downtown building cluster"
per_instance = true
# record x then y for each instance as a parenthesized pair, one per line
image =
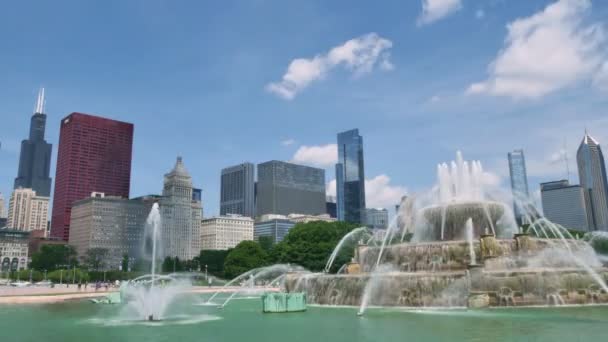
(92, 209)
(582, 207)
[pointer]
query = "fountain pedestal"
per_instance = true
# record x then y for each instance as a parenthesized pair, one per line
(490, 248)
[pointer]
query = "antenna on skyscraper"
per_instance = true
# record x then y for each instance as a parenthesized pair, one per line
(40, 102)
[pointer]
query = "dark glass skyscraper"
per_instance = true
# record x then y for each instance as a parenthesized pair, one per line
(350, 177)
(35, 157)
(519, 183)
(94, 156)
(592, 175)
(237, 190)
(286, 188)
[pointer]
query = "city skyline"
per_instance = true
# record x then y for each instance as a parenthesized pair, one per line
(389, 106)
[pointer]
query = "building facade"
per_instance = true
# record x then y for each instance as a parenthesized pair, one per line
(13, 250)
(94, 156)
(274, 226)
(284, 188)
(567, 205)
(299, 218)
(330, 207)
(592, 176)
(35, 156)
(237, 190)
(3, 212)
(376, 218)
(110, 223)
(27, 211)
(350, 177)
(181, 215)
(519, 183)
(225, 232)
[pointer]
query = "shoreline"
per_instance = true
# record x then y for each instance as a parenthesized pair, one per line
(37, 295)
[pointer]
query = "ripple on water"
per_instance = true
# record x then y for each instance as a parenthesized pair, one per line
(172, 320)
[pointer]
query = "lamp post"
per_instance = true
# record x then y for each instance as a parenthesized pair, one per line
(44, 275)
(206, 277)
(61, 276)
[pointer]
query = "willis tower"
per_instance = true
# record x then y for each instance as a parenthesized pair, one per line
(35, 158)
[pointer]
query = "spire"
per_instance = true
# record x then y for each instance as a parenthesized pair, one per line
(40, 102)
(589, 139)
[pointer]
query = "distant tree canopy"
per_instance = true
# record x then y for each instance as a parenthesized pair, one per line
(214, 260)
(310, 245)
(52, 257)
(95, 258)
(245, 256)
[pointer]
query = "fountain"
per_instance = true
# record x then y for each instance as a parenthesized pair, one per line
(466, 251)
(148, 297)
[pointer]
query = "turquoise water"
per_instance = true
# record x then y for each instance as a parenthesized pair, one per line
(243, 321)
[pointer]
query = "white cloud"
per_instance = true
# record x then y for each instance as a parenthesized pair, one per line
(330, 188)
(288, 142)
(545, 52)
(379, 192)
(601, 77)
(433, 10)
(359, 55)
(320, 156)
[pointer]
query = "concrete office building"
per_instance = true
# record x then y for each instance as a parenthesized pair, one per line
(284, 188)
(376, 218)
(13, 250)
(225, 232)
(27, 211)
(111, 223)
(237, 189)
(567, 205)
(181, 215)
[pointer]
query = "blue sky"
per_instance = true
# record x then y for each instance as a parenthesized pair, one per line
(420, 79)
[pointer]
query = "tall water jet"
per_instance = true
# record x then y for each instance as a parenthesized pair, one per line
(148, 297)
(469, 229)
(346, 238)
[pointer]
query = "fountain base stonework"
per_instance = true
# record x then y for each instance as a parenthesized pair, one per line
(523, 271)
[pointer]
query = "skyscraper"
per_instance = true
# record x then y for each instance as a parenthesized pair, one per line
(592, 175)
(286, 188)
(567, 205)
(181, 215)
(35, 157)
(94, 156)
(237, 190)
(350, 177)
(519, 183)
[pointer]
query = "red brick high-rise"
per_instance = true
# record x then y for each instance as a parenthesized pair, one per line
(94, 155)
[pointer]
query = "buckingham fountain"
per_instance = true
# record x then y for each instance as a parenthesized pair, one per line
(466, 250)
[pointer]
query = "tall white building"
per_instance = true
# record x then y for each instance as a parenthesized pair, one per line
(27, 211)
(224, 232)
(2, 207)
(181, 215)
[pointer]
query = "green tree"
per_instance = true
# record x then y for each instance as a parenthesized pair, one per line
(52, 257)
(266, 242)
(245, 256)
(95, 258)
(310, 245)
(125, 263)
(214, 260)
